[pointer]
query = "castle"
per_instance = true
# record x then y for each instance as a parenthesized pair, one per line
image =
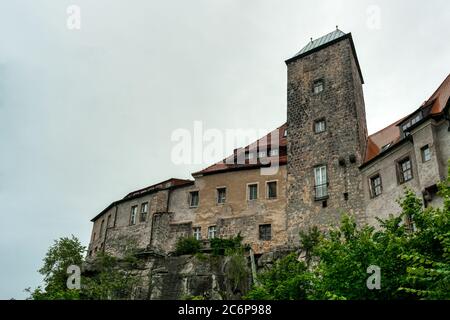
(326, 165)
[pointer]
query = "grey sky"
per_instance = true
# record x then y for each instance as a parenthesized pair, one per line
(86, 116)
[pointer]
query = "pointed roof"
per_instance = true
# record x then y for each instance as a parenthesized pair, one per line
(325, 41)
(336, 34)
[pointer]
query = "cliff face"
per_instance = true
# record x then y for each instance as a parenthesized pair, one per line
(203, 276)
(188, 276)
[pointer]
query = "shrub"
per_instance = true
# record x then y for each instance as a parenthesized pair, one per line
(221, 246)
(188, 245)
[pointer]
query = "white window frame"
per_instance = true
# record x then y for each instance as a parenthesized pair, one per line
(133, 214)
(212, 232)
(321, 182)
(197, 231)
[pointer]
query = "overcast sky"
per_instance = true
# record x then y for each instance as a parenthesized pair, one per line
(86, 115)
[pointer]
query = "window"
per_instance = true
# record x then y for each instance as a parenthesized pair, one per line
(249, 156)
(385, 147)
(212, 232)
(426, 153)
(221, 195)
(319, 126)
(197, 233)
(375, 185)
(101, 228)
(318, 86)
(274, 152)
(265, 232)
(271, 189)
(404, 170)
(193, 199)
(321, 184)
(93, 238)
(262, 154)
(412, 121)
(108, 222)
(252, 191)
(144, 211)
(285, 133)
(133, 215)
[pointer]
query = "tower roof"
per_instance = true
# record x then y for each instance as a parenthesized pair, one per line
(325, 41)
(321, 41)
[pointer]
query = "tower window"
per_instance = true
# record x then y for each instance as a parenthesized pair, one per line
(193, 199)
(319, 126)
(321, 183)
(426, 153)
(221, 195)
(318, 86)
(404, 170)
(265, 232)
(375, 186)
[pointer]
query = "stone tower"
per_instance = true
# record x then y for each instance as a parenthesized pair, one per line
(327, 134)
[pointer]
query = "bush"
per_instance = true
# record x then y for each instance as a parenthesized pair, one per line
(188, 245)
(221, 246)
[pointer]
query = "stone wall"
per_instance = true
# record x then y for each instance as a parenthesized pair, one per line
(238, 214)
(342, 106)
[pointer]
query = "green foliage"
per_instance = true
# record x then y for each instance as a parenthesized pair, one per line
(288, 279)
(413, 264)
(63, 253)
(189, 297)
(188, 245)
(237, 270)
(113, 279)
(221, 246)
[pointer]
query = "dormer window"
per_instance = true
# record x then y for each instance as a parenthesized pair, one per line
(274, 152)
(385, 147)
(248, 156)
(411, 121)
(318, 86)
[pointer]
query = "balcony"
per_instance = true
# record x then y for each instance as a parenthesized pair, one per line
(321, 191)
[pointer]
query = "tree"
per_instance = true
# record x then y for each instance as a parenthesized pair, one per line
(63, 253)
(414, 264)
(111, 278)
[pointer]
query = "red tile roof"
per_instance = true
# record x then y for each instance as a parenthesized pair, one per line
(391, 134)
(230, 163)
